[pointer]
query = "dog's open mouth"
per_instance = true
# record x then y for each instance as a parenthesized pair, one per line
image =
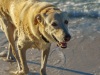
(61, 44)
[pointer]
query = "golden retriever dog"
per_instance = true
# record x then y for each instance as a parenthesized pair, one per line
(38, 24)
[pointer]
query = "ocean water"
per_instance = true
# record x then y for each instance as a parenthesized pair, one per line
(83, 52)
(79, 8)
(84, 16)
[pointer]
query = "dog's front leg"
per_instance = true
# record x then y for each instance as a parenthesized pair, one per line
(22, 56)
(44, 57)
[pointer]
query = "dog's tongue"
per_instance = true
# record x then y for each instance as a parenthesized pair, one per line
(62, 44)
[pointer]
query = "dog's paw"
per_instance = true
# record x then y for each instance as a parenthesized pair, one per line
(20, 73)
(17, 73)
(9, 60)
(14, 72)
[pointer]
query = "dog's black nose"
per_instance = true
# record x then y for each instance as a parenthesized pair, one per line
(67, 37)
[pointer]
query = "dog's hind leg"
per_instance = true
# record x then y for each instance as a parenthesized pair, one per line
(10, 56)
(44, 57)
(9, 31)
(7, 55)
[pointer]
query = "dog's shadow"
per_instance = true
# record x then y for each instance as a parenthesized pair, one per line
(61, 68)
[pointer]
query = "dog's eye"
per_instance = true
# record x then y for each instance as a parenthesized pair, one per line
(54, 24)
(66, 22)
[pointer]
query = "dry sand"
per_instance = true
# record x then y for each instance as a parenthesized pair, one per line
(82, 57)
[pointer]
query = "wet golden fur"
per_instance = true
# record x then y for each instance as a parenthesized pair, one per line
(27, 18)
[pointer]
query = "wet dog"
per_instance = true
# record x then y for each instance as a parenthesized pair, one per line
(38, 24)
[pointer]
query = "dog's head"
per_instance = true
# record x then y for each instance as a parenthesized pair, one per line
(54, 27)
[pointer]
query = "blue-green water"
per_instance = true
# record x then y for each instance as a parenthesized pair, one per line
(84, 16)
(79, 8)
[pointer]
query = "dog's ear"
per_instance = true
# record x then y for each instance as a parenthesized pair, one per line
(37, 19)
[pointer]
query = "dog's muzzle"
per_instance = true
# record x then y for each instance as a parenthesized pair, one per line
(63, 44)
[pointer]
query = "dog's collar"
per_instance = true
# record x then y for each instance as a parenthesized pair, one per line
(45, 39)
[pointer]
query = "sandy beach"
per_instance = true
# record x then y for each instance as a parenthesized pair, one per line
(82, 57)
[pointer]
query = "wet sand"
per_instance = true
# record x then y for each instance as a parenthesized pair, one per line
(82, 57)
